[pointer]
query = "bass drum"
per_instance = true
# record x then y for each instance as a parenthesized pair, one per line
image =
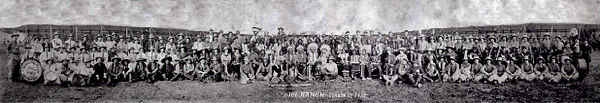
(31, 70)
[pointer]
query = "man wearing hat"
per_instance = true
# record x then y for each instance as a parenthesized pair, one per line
(201, 69)
(344, 60)
(84, 42)
(64, 72)
(513, 70)
(81, 74)
(528, 73)
(329, 69)
(546, 44)
(476, 69)
(167, 69)
(99, 41)
(46, 54)
(99, 74)
(184, 70)
(453, 72)
(403, 66)
(36, 47)
(51, 70)
(265, 71)
(56, 41)
(500, 76)
(569, 72)
(557, 46)
(116, 72)
(198, 45)
(540, 68)
(554, 71)
(415, 75)
(152, 70)
(246, 71)
(486, 71)
(109, 42)
(465, 69)
(70, 42)
(122, 44)
(432, 73)
(136, 69)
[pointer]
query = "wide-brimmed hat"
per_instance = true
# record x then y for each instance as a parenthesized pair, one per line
(540, 58)
(101, 58)
(475, 57)
(488, 58)
(188, 58)
(117, 58)
(165, 59)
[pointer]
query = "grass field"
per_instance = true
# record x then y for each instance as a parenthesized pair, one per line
(329, 91)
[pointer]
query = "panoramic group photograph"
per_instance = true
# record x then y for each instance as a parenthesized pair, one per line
(300, 51)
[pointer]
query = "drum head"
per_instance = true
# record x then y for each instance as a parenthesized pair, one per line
(50, 76)
(31, 70)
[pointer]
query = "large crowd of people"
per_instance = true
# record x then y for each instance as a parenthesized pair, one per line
(282, 58)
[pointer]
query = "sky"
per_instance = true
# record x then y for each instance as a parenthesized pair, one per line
(321, 16)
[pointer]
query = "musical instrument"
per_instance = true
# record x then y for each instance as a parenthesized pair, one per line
(31, 70)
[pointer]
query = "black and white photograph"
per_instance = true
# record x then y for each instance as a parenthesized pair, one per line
(300, 51)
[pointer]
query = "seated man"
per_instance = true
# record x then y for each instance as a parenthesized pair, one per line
(432, 73)
(500, 75)
(476, 68)
(355, 63)
(329, 70)
(185, 70)
(540, 68)
(465, 70)
(402, 68)
(513, 70)
(215, 70)
(527, 69)
(486, 71)
(51, 72)
(247, 72)
(167, 69)
(453, 72)
(81, 74)
(414, 75)
(201, 70)
(391, 74)
(136, 70)
(554, 73)
(152, 70)
(116, 72)
(100, 74)
(569, 71)
(364, 63)
(265, 71)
